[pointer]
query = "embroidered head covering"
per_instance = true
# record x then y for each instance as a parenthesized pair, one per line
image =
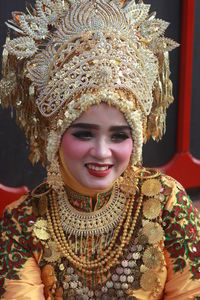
(68, 55)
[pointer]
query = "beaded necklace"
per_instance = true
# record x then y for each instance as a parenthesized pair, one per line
(136, 244)
(110, 257)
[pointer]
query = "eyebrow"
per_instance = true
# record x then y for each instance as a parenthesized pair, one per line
(95, 126)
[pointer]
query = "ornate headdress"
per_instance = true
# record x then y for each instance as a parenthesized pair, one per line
(69, 55)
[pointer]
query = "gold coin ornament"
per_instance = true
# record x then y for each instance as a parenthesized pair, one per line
(152, 208)
(151, 187)
(154, 232)
(143, 269)
(152, 258)
(149, 280)
(142, 239)
(40, 230)
(51, 254)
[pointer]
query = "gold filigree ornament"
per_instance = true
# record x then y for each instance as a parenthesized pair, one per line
(152, 258)
(149, 280)
(51, 253)
(128, 181)
(40, 200)
(151, 208)
(142, 239)
(151, 187)
(154, 232)
(40, 230)
(22, 47)
(66, 49)
(102, 221)
(54, 177)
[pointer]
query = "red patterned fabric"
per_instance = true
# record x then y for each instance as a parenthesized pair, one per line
(10, 194)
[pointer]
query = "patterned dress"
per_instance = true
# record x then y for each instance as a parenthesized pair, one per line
(162, 260)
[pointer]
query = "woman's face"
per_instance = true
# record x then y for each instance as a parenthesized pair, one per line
(97, 147)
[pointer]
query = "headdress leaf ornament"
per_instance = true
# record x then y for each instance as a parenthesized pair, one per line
(66, 49)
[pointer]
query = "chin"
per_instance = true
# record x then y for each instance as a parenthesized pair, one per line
(98, 185)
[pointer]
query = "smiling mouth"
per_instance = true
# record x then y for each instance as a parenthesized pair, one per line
(98, 167)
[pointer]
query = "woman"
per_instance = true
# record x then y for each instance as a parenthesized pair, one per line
(90, 83)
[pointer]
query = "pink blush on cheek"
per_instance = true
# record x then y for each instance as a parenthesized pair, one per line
(73, 148)
(124, 150)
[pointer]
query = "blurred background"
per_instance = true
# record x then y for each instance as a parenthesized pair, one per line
(15, 168)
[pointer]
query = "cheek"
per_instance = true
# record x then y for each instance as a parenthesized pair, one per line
(73, 148)
(124, 150)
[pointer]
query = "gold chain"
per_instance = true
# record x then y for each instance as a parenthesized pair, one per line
(111, 255)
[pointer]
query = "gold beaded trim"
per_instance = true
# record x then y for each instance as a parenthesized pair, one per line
(95, 223)
(111, 255)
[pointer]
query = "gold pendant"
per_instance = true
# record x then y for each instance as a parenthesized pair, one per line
(40, 230)
(151, 208)
(151, 187)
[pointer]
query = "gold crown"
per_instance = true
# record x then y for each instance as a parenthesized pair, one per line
(67, 49)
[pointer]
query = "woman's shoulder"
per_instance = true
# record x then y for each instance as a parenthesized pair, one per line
(18, 204)
(155, 183)
(27, 204)
(18, 213)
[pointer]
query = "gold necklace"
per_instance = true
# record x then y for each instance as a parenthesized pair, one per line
(111, 255)
(102, 221)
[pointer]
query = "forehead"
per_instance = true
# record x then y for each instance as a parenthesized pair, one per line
(102, 114)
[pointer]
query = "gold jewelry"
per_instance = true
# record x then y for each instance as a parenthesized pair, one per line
(154, 232)
(152, 208)
(51, 254)
(128, 181)
(102, 221)
(91, 266)
(40, 200)
(151, 187)
(149, 280)
(152, 258)
(40, 190)
(102, 52)
(111, 255)
(146, 173)
(40, 230)
(54, 177)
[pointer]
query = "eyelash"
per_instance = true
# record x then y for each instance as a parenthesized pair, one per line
(87, 135)
(120, 136)
(82, 135)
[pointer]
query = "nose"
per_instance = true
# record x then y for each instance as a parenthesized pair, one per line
(101, 149)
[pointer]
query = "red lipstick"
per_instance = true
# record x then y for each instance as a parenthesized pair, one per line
(98, 172)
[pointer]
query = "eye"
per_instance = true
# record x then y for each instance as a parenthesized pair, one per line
(83, 135)
(119, 137)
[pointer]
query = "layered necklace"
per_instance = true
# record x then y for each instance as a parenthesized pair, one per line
(78, 235)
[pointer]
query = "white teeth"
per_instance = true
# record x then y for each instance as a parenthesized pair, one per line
(92, 167)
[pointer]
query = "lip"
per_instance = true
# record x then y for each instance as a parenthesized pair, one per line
(99, 173)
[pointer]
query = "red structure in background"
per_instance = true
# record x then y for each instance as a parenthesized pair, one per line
(183, 166)
(10, 194)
